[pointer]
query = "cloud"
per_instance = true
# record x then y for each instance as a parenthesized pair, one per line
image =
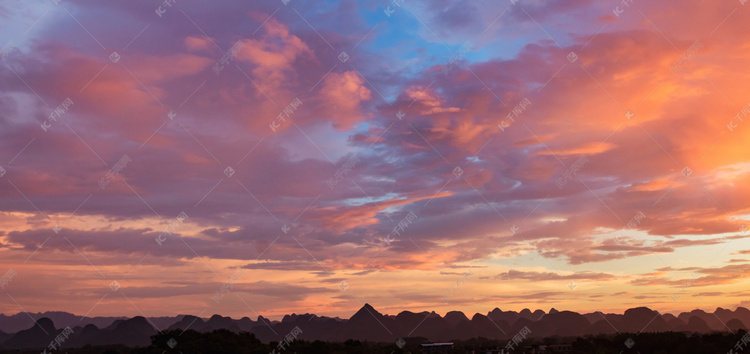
(341, 96)
(274, 55)
(699, 277)
(257, 197)
(549, 276)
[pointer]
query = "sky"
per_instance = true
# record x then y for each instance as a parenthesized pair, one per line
(275, 157)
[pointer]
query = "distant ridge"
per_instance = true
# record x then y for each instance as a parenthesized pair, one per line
(23, 320)
(367, 324)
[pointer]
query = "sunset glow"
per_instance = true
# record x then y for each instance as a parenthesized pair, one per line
(320, 155)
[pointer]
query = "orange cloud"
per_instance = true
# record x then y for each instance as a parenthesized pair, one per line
(340, 218)
(274, 55)
(342, 95)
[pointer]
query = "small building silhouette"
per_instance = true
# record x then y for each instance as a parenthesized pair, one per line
(437, 348)
(552, 348)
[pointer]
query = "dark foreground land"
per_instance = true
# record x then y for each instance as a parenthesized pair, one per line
(224, 341)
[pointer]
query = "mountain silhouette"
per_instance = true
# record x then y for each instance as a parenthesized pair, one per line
(4, 336)
(189, 322)
(455, 317)
(134, 332)
(368, 324)
(38, 336)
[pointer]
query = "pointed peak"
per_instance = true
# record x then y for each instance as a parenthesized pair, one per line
(368, 308)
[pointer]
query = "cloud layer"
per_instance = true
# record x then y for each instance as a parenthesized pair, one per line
(543, 146)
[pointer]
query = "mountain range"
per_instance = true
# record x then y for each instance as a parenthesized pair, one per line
(18, 331)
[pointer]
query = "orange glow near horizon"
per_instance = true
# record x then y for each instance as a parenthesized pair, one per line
(432, 160)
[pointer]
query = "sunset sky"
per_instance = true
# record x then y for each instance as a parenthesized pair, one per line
(571, 154)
